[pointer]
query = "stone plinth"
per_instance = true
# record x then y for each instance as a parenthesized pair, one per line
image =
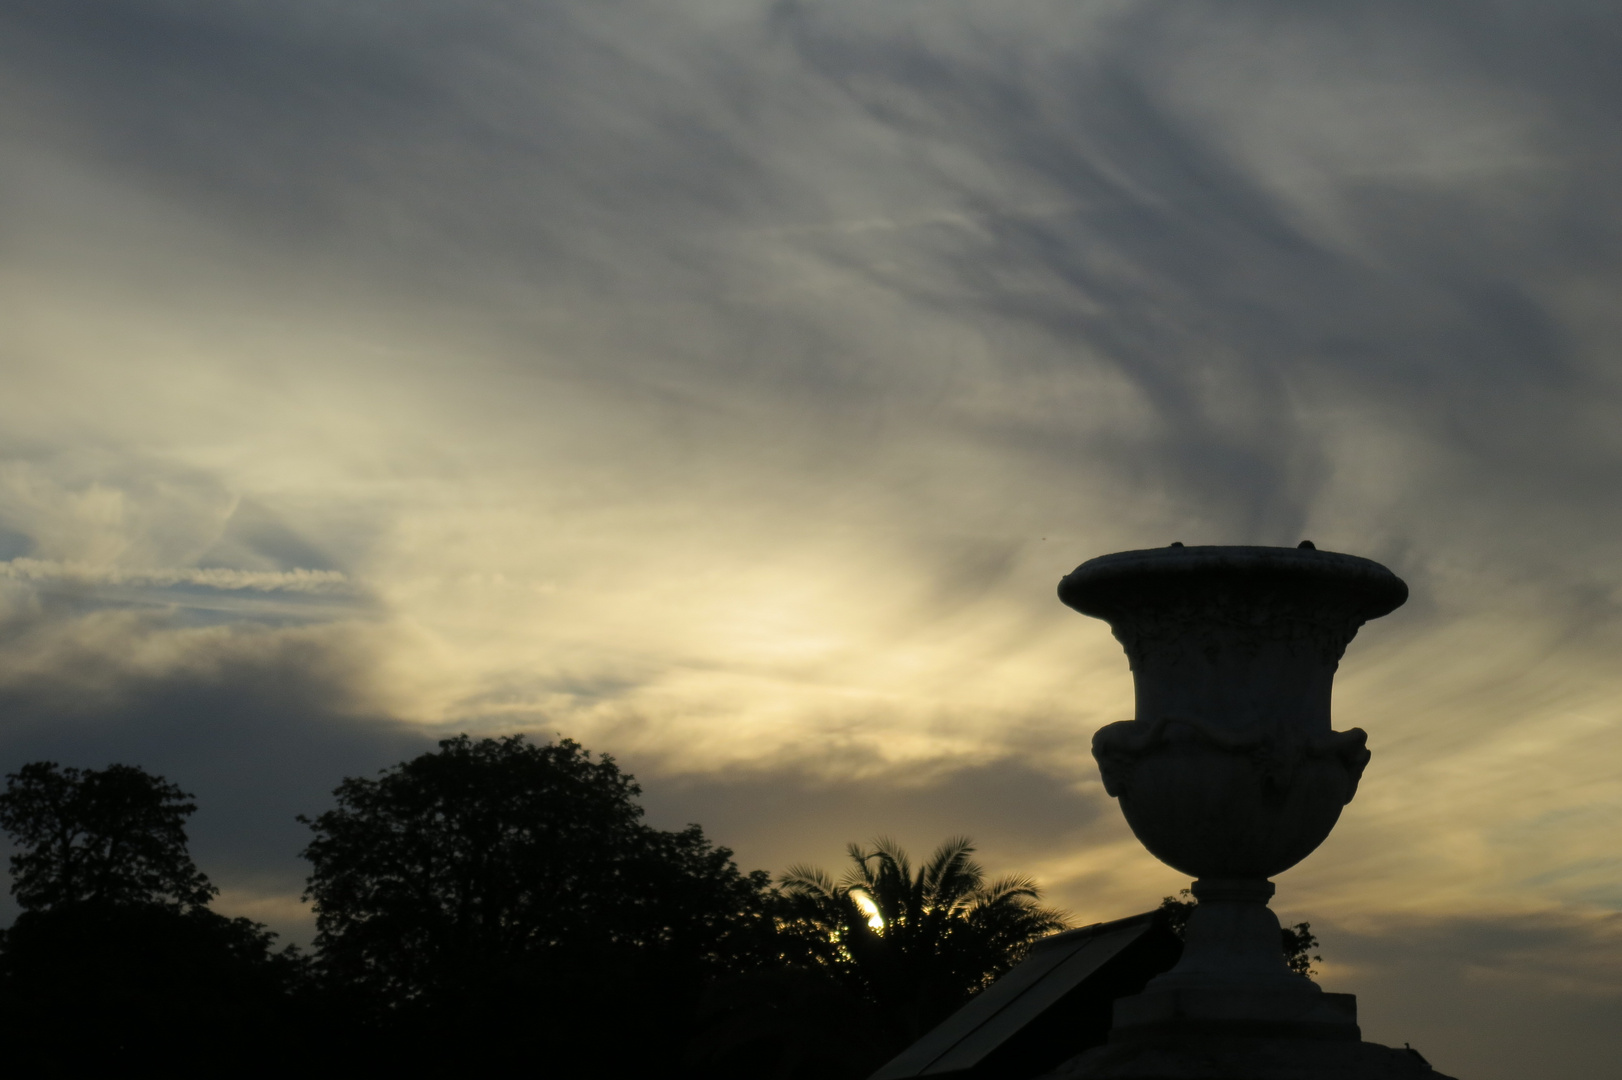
(1195, 1057)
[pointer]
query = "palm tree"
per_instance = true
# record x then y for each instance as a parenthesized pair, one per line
(916, 946)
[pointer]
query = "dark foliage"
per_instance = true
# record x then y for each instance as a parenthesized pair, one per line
(1297, 941)
(514, 886)
(113, 836)
(913, 946)
(116, 963)
(87, 988)
(787, 1023)
(494, 887)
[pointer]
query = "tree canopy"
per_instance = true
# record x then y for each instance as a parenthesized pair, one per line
(499, 877)
(110, 836)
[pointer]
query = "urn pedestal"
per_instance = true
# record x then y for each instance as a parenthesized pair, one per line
(1231, 772)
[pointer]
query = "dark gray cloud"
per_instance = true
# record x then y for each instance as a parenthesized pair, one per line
(450, 144)
(552, 145)
(260, 725)
(1488, 997)
(1172, 256)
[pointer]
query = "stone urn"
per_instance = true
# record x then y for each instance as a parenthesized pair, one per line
(1231, 771)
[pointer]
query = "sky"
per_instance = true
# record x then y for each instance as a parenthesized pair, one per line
(726, 385)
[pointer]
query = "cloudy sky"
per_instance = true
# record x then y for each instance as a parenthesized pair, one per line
(726, 384)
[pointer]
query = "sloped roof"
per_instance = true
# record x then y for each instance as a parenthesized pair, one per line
(1049, 1008)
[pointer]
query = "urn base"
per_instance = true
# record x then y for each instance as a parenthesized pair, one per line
(1307, 1012)
(1206, 1057)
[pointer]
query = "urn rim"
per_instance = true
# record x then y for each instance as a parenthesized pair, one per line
(1113, 584)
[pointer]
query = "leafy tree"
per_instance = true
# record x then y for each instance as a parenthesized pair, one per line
(496, 878)
(116, 960)
(915, 945)
(1297, 941)
(109, 836)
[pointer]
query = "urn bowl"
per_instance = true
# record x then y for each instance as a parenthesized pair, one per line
(1230, 767)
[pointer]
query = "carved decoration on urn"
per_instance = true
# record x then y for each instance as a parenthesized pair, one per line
(1230, 769)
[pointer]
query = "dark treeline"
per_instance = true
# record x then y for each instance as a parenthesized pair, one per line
(496, 905)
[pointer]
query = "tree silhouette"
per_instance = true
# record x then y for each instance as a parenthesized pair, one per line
(116, 961)
(107, 836)
(916, 945)
(499, 880)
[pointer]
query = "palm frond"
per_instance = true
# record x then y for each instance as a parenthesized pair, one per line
(1008, 889)
(804, 880)
(945, 933)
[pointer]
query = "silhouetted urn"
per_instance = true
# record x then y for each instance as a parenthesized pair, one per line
(1230, 770)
